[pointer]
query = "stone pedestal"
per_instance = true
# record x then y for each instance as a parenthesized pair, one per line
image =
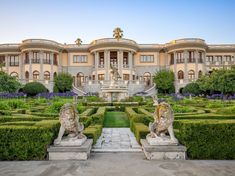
(70, 152)
(163, 152)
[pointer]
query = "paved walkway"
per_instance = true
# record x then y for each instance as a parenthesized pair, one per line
(117, 140)
(118, 164)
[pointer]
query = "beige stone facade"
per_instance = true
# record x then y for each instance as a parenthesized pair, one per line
(89, 64)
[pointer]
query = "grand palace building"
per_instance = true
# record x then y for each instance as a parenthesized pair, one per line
(90, 64)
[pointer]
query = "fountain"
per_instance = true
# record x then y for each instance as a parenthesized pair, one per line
(116, 89)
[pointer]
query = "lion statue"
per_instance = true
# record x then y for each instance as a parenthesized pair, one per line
(69, 121)
(163, 124)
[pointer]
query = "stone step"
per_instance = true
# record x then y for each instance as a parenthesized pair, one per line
(116, 150)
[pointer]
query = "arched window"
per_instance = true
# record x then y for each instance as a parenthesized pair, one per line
(46, 75)
(35, 75)
(27, 75)
(55, 74)
(180, 74)
(147, 78)
(199, 74)
(14, 74)
(191, 75)
(80, 79)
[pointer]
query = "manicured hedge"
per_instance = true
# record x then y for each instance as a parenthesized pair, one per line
(88, 112)
(144, 111)
(138, 123)
(134, 117)
(93, 132)
(98, 117)
(208, 139)
(205, 116)
(23, 118)
(22, 142)
(140, 131)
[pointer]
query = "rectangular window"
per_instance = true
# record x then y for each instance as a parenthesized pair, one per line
(100, 76)
(125, 59)
(36, 58)
(180, 57)
(228, 58)
(47, 59)
(14, 60)
(80, 59)
(209, 58)
(26, 61)
(200, 58)
(126, 77)
(2, 61)
(147, 58)
(55, 60)
(191, 56)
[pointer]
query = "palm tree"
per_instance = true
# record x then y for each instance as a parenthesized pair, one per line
(78, 41)
(117, 33)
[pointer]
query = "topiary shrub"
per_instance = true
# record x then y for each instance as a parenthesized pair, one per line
(192, 88)
(208, 139)
(34, 88)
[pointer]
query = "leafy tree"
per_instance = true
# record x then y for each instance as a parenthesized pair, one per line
(34, 88)
(192, 88)
(164, 80)
(218, 81)
(63, 82)
(8, 83)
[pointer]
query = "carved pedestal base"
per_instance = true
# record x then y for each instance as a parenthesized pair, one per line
(68, 141)
(163, 152)
(70, 152)
(164, 140)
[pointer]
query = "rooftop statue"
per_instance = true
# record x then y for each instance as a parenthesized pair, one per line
(163, 124)
(117, 33)
(69, 121)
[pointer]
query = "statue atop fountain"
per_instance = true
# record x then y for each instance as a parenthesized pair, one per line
(115, 74)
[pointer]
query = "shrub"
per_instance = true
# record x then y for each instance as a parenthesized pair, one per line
(192, 88)
(55, 107)
(22, 142)
(63, 82)
(182, 109)
(34, 88)
(98, 117)
(227, 110)
(208, 139)
(140, 131)
(15, 104)
(94, 132)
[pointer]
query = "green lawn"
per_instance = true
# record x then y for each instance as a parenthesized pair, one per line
(115, 119)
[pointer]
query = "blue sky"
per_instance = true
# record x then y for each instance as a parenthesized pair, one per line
(145, 21)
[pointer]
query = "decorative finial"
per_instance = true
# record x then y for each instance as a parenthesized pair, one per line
(117, 33)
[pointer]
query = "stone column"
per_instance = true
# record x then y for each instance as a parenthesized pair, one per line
(185, 66)
(69, 59)
(52, 67)
(204, 62)
(120, 62)
(21, 67)
(107, 63)
(41, 65)
(59, 62)
(30, 65)
(7, 60)
(96, 65)
(175, 66)
(158, 61)
(196, 64)
(167, 62)
(130, 63)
